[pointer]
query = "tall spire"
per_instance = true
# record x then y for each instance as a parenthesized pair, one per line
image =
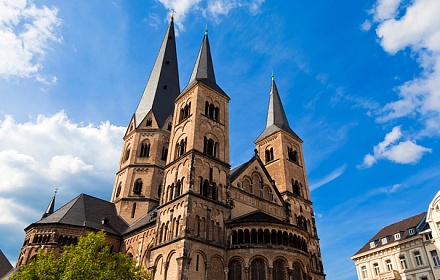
(163, 85)
(51, 207)
(276, 117)
(204, 69)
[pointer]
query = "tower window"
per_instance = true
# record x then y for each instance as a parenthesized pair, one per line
(164, 153)
(118, 190)
(149, 122)
(133, 210)
(138, 186)
(145, 149)
(292, 155)
(181, 148)
(127, 154)
(169, 126)
(210, 147)
(269, 154)
(185, 112)
(212, 111)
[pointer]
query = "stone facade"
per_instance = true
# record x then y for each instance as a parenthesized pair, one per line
(179, 209)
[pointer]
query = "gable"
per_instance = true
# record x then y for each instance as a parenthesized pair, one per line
(252, 189)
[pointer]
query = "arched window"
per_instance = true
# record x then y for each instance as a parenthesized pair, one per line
(258, 270)
(164, 153)
(296, 187)
(127, 154)
(205, 188)
(214, 190)
(279, 270)
(181, 147)
(149, 122)
(269, 154)
(212, 111)
(137, 189)
(234, 270)
(159, 190)
(118, 190)
(210, 147)
(178, 189)
(133, 210)
(169, 126)
(185, 112)
(145, 149)
(297, 272)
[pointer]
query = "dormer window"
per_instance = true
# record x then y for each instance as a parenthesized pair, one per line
(149, 122)
(397, 236)
(411, 231)
(384, 240)
(104, 222)
(373, 244)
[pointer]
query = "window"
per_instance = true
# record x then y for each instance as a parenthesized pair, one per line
(435, 258)
(234, 270)
(269, 154)
(292, 155)
(403, 262)
(169, 126)
(181, 147)
(149, 122)
(384, 240)
(118, 190)
(133, 210)
(418, 258)
(364, 272)
(296, 187)
(389, 265)
(372, 244)
(258, 270)
(145, 149)
(376, 269)
(212, 111)
(185, 112)
(137, 186)
(428, 236)
(411, 231)
(164, 153)
(279, 270)
(127, 154)
(397, 236)
(210, 147)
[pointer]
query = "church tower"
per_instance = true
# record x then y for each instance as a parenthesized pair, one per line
(138, 184)
(194, 202)
(280, 149)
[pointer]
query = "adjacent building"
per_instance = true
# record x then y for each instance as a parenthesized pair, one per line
(406, 250)
(177, 206)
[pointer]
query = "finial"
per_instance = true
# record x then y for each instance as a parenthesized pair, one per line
(206, 30)
(272, 76)
(172, 14)
(56, 190)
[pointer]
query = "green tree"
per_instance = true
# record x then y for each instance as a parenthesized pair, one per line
(90, 259)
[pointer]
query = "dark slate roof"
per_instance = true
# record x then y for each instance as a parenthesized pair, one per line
(147, 219)
(389, 231)
(163, 85)
(5, 265)
(276, 117)
(255, 217)
(88, 211)
(203, 71)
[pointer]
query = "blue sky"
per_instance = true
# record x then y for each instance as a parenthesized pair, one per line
(359, 81)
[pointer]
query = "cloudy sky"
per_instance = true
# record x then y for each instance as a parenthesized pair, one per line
(359, 81)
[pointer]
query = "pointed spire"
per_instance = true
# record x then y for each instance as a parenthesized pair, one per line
(204, 69)
(51, 207)
(163, 85)
(276, 117)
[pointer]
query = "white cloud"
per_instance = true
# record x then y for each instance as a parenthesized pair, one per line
(210, 9)
(330, 177)
(26, 32)
(413, 27)
(403, 152)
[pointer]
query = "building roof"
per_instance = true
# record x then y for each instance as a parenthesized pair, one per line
(147, 219)
(87, 211)
(276, 117)
(255, 217)
(163, 85)
(203, 70)
(389, 232)
(50, 207)
(5, 265)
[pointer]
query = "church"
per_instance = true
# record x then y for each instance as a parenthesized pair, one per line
(178, 208)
